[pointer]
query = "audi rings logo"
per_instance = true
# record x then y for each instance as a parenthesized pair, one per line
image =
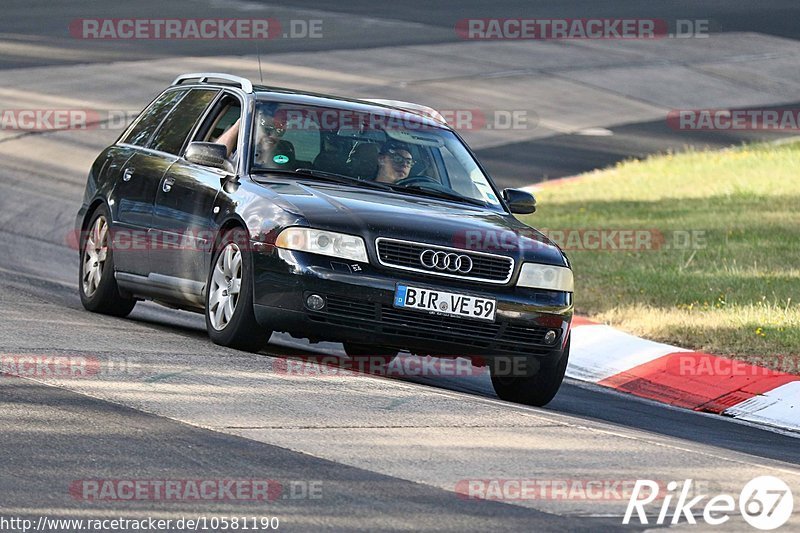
(446, 261)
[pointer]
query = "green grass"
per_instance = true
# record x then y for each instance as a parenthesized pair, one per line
(736, 292)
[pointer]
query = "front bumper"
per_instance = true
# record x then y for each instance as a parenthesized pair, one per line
(359, 309)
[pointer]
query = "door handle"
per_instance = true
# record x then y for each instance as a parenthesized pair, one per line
(168, 183)
(128, 174)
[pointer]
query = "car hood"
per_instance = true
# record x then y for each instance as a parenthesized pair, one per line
(374, 213)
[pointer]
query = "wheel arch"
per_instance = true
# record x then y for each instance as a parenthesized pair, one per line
(226, 226)
(97, 202)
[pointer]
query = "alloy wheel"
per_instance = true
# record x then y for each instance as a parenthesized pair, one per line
(95, 252)
(226, 283)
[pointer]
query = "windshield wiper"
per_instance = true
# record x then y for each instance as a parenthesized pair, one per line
(420, 191)
(342, 178)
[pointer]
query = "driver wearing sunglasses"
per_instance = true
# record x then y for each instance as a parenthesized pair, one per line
(394, 163)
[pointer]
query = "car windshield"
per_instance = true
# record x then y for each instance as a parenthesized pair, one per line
(405, 152)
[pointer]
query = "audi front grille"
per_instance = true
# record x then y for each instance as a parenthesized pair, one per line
(444, 261)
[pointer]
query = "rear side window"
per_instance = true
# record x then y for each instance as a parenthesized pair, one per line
(148, 122)
(174, 130)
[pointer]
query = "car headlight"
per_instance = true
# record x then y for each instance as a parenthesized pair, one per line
(553, 278)
(322, 242)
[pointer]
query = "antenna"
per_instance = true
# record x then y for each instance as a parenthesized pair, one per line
(260, 74)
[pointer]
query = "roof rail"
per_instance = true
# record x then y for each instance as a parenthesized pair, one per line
(417, 109)
(204, 77)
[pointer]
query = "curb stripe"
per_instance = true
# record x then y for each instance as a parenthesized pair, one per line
(683, 378)
(779, 407)
(698, 381)
(583, 321)
(599, 352)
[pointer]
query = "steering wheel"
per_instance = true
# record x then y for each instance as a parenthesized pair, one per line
(422, 182)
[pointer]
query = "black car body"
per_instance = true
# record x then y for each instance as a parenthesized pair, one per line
(169, 201)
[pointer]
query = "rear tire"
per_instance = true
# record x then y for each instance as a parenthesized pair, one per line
(96, 282)
(230, 317)
(538, 389)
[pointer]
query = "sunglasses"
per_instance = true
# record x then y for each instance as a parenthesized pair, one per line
(400, 160)
(272, 131)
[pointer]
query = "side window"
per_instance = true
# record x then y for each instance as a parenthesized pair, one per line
(459, 177)
(229, 114)
(148, 121)
(468, 181)
(176, 127)
(223, 119)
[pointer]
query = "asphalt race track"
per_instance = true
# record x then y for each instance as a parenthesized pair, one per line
(351, 451)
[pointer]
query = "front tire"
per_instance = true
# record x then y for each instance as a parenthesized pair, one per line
(537, 389)
(96, 283)
(230, 317)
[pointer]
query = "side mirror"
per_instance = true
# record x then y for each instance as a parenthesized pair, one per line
(209, 155)
(519, 202)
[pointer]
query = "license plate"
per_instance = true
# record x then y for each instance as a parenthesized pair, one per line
(444, 303)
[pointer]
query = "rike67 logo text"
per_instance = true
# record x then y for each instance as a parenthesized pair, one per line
(765, 503)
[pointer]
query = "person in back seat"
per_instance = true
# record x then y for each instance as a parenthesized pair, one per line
(333, 156)
(363, 161)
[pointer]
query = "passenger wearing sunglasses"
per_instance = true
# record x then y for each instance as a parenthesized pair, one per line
(268, 144)
(394, 163)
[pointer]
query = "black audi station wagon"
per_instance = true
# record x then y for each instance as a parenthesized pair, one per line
(365, 222)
